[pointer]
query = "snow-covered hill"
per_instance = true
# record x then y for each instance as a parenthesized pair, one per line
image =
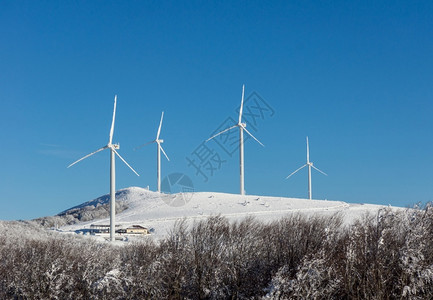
(159, 211)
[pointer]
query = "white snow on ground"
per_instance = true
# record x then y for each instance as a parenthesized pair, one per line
(160, 212)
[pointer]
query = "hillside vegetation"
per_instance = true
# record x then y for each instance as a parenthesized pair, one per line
(383, 256)
(91, 210)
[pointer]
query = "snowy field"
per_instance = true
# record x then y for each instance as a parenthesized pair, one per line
(159, 212)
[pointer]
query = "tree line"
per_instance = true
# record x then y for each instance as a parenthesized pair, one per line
(383, 256)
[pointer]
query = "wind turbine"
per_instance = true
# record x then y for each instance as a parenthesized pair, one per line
(113, 152)
(242, 127)
(158, 153)
(310, 165)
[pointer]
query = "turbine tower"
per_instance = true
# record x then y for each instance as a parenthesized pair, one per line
(113, 152)
(242, 127)
(158, 153)
(310, 165)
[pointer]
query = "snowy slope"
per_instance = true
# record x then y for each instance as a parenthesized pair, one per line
(160, 212)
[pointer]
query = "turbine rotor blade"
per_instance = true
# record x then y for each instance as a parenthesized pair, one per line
(112, 123)
(100, 149)
(159, 128)
(242, 104)
(308, 152)
(112, 149)
(227, 129)
(145, 144)
(162, 149)
(252, 136)
(296, 171)
(320, 170)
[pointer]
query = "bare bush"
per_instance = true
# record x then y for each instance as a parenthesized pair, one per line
(385, 256)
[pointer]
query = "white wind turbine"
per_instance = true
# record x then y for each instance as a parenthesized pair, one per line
(158, 153)
(113, 151)
(310, 165)
(242, 127)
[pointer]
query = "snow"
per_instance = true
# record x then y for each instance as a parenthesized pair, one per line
(159, 212)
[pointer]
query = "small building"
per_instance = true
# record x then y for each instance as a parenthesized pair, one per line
(104, 229)
(137, 229)
(101, 228)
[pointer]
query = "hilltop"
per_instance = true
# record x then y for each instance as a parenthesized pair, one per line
(159, 212)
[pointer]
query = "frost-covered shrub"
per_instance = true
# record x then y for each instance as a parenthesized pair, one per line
(141, 271)
(246, 264)
(376, 252)
(209, 256)
(309, 272)
(416, 260)
(314, 279)
(36, 264)
(383, 256)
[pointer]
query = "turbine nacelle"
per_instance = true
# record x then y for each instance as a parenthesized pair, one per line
(114, 146)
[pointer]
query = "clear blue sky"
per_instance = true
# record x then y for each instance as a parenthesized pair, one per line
(355, 76)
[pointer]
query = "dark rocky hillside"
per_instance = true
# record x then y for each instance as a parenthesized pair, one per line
(98, 208)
